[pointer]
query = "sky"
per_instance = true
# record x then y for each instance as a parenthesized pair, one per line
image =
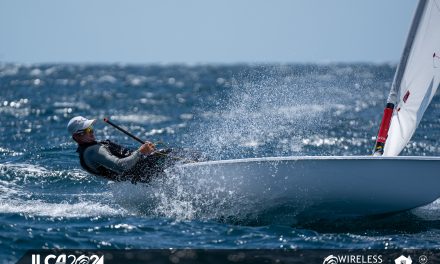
(203, 31)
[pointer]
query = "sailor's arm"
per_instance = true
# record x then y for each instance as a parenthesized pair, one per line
(104, 158)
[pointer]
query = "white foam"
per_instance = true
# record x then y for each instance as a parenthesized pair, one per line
(9, 70)
(41, 208)
(35, 72)
(8, 189)
(107, 79)
(429, 212)
(76, 105)
(16, 198)
(25, 168)
(141, 119)
(10, 152)
(135, 80)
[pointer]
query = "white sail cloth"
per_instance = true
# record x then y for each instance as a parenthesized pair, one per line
(419, 78)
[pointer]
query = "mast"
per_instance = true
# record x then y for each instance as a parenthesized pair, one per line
(396, 86)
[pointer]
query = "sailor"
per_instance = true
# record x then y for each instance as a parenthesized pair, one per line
(106, 158)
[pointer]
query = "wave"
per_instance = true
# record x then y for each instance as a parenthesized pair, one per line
(34, 208)
(141, 118)
(23, 172)
(34, 190)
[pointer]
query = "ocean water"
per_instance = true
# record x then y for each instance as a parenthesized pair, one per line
(223, 111)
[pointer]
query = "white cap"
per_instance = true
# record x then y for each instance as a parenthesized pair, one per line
(79, 123)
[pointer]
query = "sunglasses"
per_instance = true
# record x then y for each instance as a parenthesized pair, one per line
(88, 130)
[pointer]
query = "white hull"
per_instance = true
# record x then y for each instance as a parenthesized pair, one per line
(318, 186)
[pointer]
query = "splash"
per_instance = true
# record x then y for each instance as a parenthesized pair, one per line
(179, 196)
(266, 112)
(205, 193)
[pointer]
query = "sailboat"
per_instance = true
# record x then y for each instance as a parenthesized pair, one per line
(350, 185)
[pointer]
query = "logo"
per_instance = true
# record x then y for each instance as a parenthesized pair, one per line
(67, 259)
(403, 260)
(330, 260)
(354, 259)
(423, 259)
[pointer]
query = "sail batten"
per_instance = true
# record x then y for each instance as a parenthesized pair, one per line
(417, 76)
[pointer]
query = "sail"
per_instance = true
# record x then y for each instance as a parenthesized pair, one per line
(417, 77)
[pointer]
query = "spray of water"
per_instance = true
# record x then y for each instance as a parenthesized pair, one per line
(265, 112)
(182, 197)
